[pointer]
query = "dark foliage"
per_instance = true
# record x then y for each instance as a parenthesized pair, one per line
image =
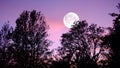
(30, 39)
(80, 43)
(60, 64)
(29, 44)
(114, 39)
(5, 45)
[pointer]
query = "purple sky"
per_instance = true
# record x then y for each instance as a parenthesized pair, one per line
(94, 11)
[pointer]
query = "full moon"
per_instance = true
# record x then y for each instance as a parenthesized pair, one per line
(70, 18)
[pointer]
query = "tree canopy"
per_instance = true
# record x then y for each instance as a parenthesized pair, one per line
(114, 38)
(82, 45)
(29, 38)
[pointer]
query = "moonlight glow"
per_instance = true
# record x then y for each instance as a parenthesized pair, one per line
(70, 18)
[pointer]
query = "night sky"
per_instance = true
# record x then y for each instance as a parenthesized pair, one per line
(93, 11)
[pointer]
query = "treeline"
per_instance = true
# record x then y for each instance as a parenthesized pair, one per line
(83, 46)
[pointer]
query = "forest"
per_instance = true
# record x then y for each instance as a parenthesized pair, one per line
(83, 46)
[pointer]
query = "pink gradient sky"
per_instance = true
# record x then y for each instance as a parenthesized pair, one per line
(94, 11)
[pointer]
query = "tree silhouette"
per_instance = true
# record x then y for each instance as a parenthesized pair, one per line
(80, 44)
(30, 39)
(114, 38)
(5, 43)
